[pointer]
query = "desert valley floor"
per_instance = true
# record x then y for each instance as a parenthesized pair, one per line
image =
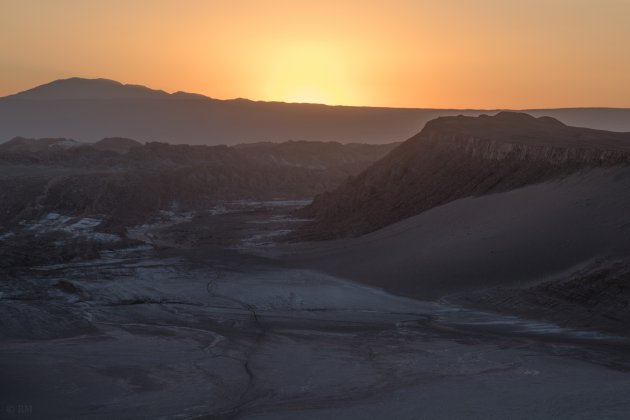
(211, 319)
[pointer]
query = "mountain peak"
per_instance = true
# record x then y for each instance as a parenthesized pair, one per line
(81, 88)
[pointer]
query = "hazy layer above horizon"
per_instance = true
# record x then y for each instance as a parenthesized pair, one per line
(92, 109)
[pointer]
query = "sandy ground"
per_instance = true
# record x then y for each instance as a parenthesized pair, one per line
(526, 235)
(207, 326)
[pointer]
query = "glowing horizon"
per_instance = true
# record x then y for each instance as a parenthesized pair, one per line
(489, 54)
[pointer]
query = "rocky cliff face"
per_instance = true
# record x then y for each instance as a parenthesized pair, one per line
(456, 157)
(493, 150)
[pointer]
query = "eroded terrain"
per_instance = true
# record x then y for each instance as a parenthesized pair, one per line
(199, 319)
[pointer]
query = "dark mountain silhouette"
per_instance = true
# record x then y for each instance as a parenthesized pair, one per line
(91, 109)
(78, 88)
(457, 157)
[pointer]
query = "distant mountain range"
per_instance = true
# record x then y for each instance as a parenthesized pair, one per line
(90, 109)
(38, 148)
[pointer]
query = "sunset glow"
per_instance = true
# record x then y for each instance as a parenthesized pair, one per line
(319, 72)
(429, 53)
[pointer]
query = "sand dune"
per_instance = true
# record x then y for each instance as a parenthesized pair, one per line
(524, 235)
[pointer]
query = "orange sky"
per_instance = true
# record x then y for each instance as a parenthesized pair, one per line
(408, 53)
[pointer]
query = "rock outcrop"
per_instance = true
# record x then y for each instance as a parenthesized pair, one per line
(457, 157)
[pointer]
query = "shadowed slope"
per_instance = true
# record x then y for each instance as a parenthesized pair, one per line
(457, 157)
(509, 238)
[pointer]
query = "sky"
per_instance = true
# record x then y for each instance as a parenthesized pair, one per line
(401, 53)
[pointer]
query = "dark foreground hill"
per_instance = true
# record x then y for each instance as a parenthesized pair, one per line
(90, 109)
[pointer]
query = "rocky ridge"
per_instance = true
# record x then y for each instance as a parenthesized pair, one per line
(129, 184)
(457, 157)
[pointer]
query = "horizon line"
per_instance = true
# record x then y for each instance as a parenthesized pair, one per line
(203, 96)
